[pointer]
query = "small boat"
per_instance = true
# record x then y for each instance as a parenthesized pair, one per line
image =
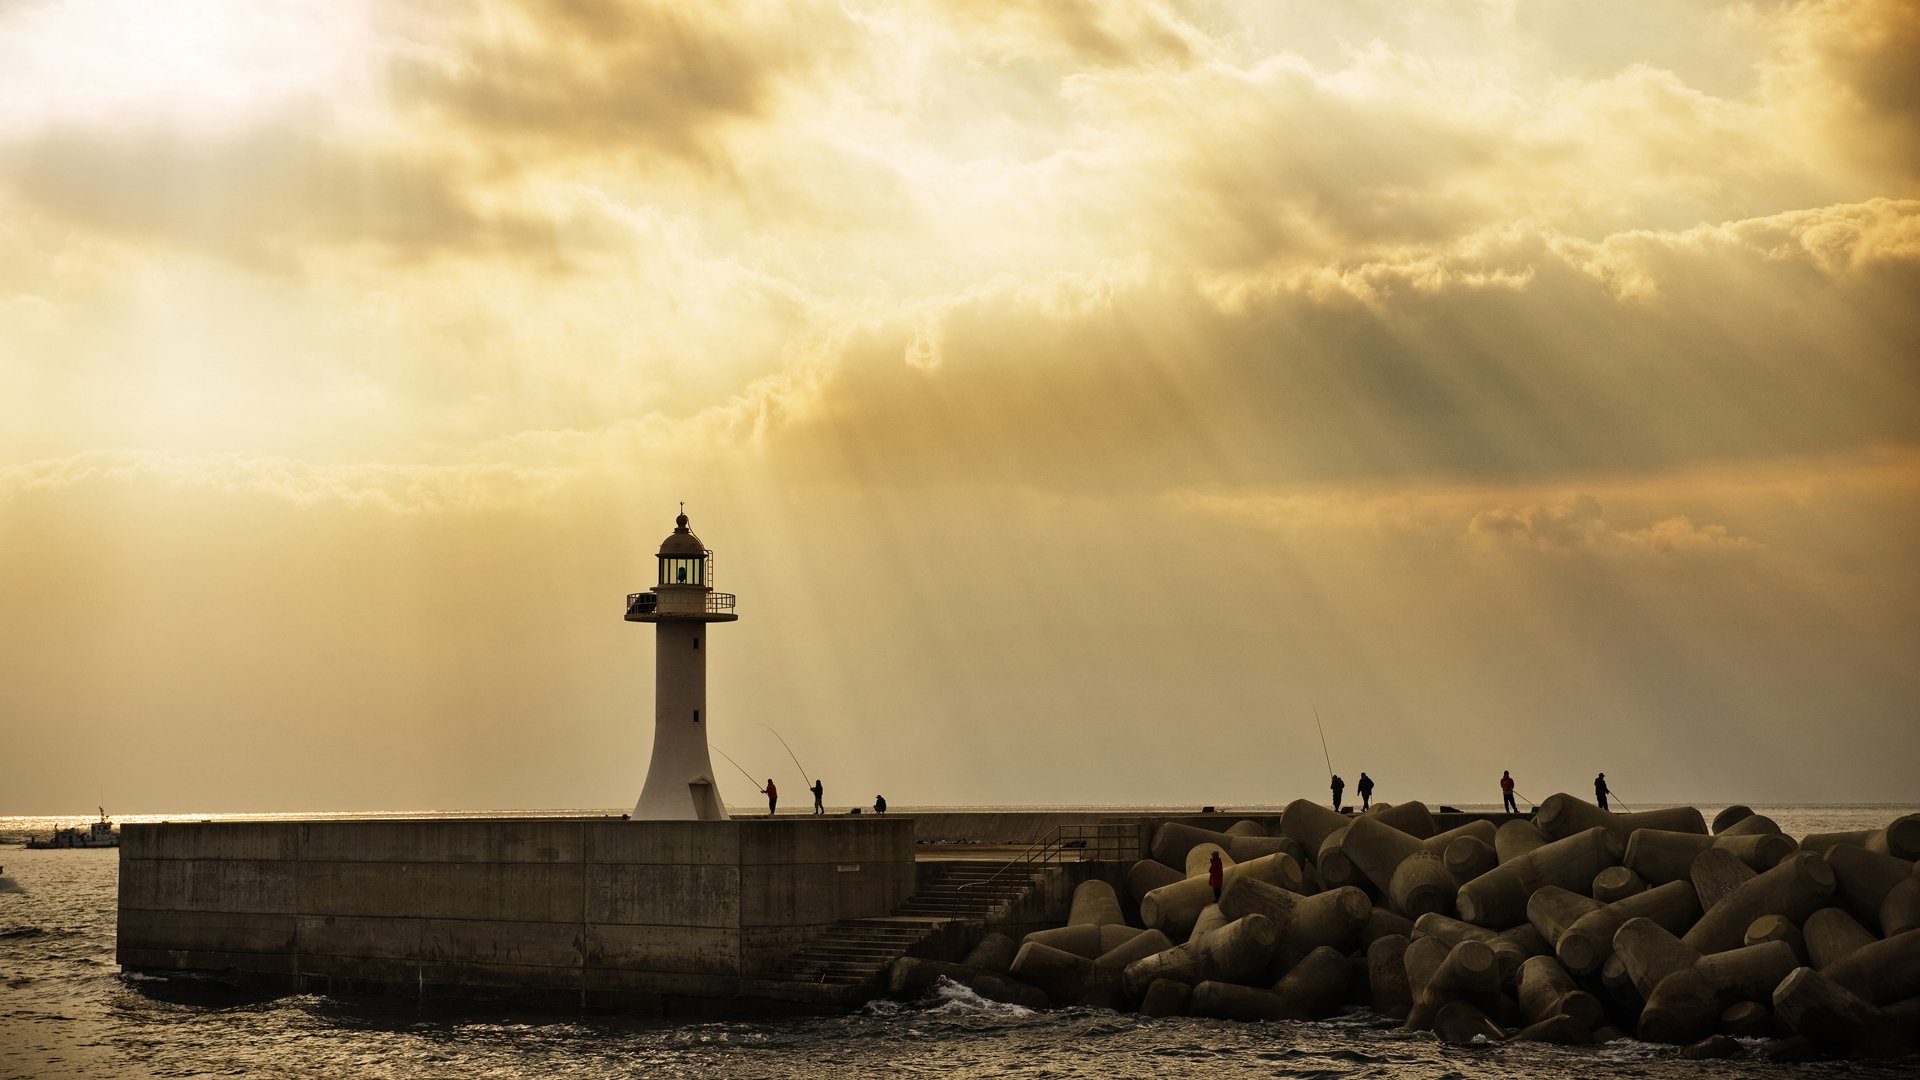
(100, 834)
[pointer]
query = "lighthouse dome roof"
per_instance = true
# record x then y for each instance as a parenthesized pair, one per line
(682, 541)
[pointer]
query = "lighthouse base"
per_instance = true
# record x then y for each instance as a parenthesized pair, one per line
(695, 800)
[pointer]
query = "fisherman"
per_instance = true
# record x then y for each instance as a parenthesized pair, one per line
(1339, 786)
(1506, 792)
(1365, 788)
(819, 793)
(773, 795)
(879, 804)
(1216, 874)
(1600, 790)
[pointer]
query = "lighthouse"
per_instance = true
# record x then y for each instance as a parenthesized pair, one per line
(680, 606)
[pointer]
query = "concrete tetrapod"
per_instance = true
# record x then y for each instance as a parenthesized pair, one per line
(1335, 867)
(1716, 874)
(1467, 857)
(1231, 1001)
(1211, 919)
(1517, 837)
(1864, 878)
(1407, 870)
(1166, 997)
(1095, 903)
(1061, 975)
(1546, 990)
(1900, 911)
(1173, 908)
(1412, 818)
(994, 953)
(1661, 856)
(1305, 922)
(1812, 1005)
(1173, 839)
(1796, 888)
(1141, 945)
(1746, 1020)
(1317, 985)
(1382, 923)
(1309, 823)
(1148, 875)
(1244, 827)
(1237, 952)
(1617, 883)
(1387, 987)
(1499, 899)
(1562, 816)
(1650, 953)
(1832, 935)
(1758, 823)
(1469, 973)
(1589, 941)
(1200, 859)
(1900, 838)
(1552, 909)
(1729, 817)
(1777, 928)
(1882, 972)
(1085, 939)
(1686, 1005)
(1507, 953)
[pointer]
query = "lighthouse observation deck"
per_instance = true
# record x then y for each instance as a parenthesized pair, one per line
(693, 604)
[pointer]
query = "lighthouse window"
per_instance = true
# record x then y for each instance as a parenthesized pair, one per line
(696, 716)
(678, 571)
(696, 643)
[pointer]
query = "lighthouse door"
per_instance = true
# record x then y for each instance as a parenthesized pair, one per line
(706, 801)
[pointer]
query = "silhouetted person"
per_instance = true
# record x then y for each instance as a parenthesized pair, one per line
(1339, 786)
(1365, 788)
(1216, 874)
(773, 796)
(879, 804)
(819, 793)
(1600, 790)
(1506, 792)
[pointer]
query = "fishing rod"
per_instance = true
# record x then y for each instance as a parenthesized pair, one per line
(1323, 735)
(735, 764)
(791, 754)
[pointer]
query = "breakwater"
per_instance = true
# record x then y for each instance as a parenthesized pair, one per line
(651, 917)
(1577, 926)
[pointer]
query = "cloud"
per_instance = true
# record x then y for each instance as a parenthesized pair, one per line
(1580, 524)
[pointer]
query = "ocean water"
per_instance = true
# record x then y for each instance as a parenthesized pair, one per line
(67, 1010)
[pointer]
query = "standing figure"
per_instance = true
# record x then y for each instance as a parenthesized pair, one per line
(1339, 786)
(879, 804)
(1600, 790)
(1506, 792)
(1365, 788)
(1216, 874)
(819, 793)
(773, 796)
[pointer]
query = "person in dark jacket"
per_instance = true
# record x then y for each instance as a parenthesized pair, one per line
(1216, 875)
(819, 793)
(879, 804)
(1506, 792)
(1600, 790)
(1365, 788)
(1339, 787)
(773, 796)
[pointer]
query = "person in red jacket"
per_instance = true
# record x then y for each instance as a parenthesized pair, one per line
(1216, 874)
(773, 796)
(1506, 791)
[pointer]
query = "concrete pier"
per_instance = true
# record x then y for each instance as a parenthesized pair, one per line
(660, 917)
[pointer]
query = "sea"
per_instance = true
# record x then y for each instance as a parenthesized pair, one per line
(66, 1010)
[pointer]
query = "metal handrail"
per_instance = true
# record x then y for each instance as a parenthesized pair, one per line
(647, 603)
(1053, 846)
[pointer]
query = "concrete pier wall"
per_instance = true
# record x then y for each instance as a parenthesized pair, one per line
(582, 912)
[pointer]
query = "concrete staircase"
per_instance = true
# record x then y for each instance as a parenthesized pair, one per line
(850, 958)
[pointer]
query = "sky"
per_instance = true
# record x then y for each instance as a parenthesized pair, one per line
(1078, 397)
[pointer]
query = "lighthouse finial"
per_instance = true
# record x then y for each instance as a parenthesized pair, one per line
(681, 521)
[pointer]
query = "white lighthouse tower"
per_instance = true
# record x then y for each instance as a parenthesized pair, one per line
(680, 777)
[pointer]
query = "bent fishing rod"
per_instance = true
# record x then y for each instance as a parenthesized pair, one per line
(791, 754)
(1323, 735)
(735, 764)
